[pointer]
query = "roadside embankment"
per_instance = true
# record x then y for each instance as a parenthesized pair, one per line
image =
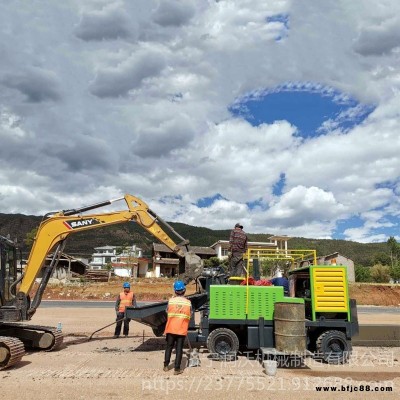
(161, 289)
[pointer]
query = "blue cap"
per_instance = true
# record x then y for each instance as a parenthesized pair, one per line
(178, 286)
(127, 285)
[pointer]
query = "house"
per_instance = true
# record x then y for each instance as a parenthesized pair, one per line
(67, 266)
(333, 259)
(166, 262)
(102, 256)
(126, 266)
(126, 261)
(276, 242)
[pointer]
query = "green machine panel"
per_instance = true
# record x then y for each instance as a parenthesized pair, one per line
(229, 301)
(262, 300)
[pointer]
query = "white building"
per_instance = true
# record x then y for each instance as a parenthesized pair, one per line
(166, 262)
(120, 257)
(102, 256)
(276, 242)
(334, 259)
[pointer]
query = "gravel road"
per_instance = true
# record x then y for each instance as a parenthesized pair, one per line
(106, 368)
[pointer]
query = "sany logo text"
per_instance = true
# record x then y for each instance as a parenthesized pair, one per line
(74, 224)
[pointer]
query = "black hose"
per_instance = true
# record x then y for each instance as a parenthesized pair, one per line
(104, 327)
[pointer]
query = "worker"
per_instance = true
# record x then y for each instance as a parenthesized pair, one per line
(237, 246)
(280, 280)
(124, 299)
(179, 311)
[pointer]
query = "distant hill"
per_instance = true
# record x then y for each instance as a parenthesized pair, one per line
(82, 244)
(360, 253)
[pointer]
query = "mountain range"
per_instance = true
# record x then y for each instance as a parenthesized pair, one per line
(82, 244)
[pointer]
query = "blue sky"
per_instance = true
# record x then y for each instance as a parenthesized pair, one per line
(281, 115)
(305, 110)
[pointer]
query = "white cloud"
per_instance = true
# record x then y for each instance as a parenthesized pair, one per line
(158, 141)
(173, 12)
(10, 126)
(305, 204)
(363, 235)
(129, 74)
(380, 38)
(37, 84)
(109, 23)
(102, 98)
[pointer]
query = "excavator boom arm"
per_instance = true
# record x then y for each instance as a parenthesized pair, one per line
(51, 234)
(62, 224)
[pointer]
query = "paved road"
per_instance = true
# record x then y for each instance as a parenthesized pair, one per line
(81, 304)
(375, 309)
(110, 304)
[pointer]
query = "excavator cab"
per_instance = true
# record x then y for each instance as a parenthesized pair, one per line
(8, 270)
(11, 348)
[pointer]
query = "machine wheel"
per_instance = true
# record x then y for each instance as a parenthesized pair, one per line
(333, 347)
(222, 341)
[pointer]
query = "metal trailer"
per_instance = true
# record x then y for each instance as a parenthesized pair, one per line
(154, 315)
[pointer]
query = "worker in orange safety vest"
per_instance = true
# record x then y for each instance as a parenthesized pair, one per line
(124, 299)
(179, 312)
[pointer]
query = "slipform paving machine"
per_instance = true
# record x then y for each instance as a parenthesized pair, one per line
(318, 319)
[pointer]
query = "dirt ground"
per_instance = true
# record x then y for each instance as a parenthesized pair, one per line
(161, 289)
(379, 295)
(144, 289)
(106, 368)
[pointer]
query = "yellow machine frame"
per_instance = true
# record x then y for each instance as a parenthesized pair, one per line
(329, 283)
(59, 226)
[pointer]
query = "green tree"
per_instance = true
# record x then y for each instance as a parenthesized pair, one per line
(108, 267)
(267, 266)
(363, 274)
(129, 256)
(216, 262)
(395, 272)
(382, 258)
(394, 250)
(30, 237)
(380, 273)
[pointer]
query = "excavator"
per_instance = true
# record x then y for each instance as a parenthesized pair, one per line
(16, 304)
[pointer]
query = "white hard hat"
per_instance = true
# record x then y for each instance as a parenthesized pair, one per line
(278, 273)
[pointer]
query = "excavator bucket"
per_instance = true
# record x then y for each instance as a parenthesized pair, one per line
(193, 267)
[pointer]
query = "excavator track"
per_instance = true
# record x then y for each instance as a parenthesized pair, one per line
(34, 336)
(58, 339)
(58, 336)
(11, 351)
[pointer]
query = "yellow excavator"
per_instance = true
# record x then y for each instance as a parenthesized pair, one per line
(15, 302)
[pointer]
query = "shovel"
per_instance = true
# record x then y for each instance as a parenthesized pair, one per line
(193, 356)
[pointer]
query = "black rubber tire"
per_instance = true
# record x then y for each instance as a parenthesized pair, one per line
(333, 347)
(222, 341)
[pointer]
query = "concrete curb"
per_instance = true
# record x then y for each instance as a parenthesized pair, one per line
(378, 335)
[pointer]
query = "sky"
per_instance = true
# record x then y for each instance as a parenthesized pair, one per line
(281, 115)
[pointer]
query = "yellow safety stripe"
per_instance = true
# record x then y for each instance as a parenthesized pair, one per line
(175, 308)
(179, 301)
(184, 316)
